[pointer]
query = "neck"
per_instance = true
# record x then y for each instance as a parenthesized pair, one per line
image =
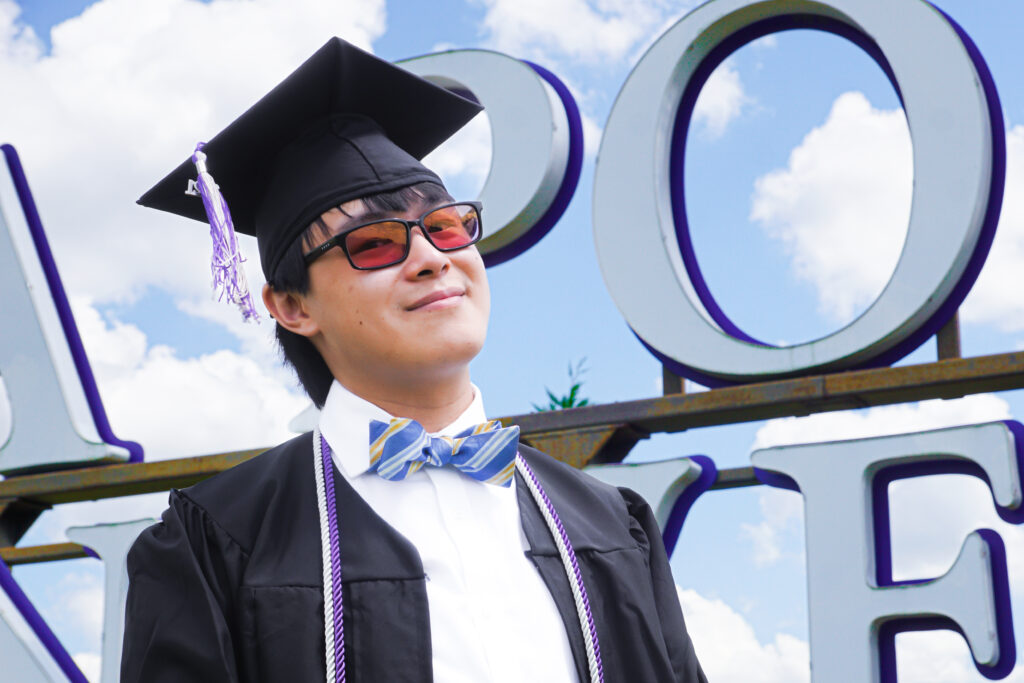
(434, 404)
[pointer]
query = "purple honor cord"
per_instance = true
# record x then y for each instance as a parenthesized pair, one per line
(334, 627)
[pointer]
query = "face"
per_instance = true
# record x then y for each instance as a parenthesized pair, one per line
(424, 316)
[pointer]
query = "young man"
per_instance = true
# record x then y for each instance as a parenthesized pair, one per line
(394, 543)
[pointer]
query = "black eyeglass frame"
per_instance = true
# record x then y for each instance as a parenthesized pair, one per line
(339, 239)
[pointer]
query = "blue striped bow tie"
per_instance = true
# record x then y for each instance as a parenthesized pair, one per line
(486, 452)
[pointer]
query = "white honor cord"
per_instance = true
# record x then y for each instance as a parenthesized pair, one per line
(325, 549)
(564, 550)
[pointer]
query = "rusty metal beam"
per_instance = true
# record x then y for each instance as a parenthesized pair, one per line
(113, 481)
(633, 419)
(42, 553)
(841, 391)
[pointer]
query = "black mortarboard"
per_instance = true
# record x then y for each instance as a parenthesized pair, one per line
(343, 125)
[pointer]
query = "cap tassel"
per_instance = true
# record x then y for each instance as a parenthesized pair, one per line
(226, 264)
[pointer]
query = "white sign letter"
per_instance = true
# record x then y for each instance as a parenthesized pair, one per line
(640, 230)
(112, 542)
(855, 606)
(57, 417)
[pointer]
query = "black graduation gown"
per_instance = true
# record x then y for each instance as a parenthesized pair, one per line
(228, 586)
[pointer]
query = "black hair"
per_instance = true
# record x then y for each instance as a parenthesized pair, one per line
(291, 276)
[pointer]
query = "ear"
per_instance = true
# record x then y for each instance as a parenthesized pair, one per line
(289, 310)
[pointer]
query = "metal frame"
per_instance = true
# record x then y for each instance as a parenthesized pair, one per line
(579, 436)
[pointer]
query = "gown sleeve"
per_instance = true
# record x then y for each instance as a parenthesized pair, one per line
(677, 641)
(183, 577)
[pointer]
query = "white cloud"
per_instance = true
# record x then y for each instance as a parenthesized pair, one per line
(764, 538)
(89, 663)
(781, 522)
(995, 299)
(729, 651)
(721, 100)
(180, 407)
(882, 420)
(75, 605)
(581, 30)
(19, 43)
(124, 95)
(842, 204)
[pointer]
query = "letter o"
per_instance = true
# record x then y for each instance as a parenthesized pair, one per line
(640, 229)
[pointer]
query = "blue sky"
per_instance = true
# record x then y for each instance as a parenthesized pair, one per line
(119, 92)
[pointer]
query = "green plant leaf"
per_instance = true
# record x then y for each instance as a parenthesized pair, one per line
(573, 398)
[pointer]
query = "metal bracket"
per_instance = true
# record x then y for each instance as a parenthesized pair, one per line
(947, 339)
(587, 445)
(16, 516)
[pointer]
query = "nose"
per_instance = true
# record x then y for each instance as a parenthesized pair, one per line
(424, 259)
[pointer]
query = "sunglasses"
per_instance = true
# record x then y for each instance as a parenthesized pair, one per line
(384, 243)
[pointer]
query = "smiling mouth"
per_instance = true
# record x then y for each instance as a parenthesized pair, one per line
(439, 299)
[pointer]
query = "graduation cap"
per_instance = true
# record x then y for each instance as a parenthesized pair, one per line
(344, 125)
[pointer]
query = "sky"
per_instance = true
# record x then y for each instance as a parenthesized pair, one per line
(798, 174)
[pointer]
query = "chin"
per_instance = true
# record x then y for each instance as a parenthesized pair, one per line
(453, 351)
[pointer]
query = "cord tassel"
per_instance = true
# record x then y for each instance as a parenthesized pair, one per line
(226, 263)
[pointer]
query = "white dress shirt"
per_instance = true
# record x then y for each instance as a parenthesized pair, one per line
(491, 616)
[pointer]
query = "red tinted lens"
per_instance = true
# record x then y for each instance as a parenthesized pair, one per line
(453, 227)
(377, 245)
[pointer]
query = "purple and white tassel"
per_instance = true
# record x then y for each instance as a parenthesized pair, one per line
(226, 264)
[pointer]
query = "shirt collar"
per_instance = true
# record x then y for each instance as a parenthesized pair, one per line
(345, 424)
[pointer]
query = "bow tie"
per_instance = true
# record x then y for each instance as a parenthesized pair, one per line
(486, 452)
